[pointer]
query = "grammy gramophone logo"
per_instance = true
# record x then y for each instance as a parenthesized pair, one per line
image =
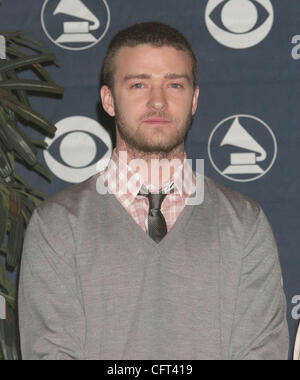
(75, 24)
(242, 148)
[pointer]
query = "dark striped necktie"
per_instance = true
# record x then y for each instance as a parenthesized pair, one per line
(157, 227)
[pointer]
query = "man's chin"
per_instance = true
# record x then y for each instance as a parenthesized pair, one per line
(156, 147)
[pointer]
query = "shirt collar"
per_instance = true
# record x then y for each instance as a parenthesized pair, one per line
(120, 176)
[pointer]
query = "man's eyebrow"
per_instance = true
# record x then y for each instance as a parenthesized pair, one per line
(178, 76)
(136, 76)
(148, 76)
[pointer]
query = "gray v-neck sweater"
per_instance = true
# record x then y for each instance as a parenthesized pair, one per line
(94, 285)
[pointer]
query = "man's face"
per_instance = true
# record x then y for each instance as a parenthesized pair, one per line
(153, 98)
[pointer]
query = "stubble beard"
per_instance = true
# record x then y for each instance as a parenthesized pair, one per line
(142, 145)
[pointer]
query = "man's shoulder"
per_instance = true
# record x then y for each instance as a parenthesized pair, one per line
(70, 198)
(229, 200)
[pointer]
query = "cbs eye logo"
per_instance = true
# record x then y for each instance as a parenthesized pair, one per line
(239, 24)
(81, 148)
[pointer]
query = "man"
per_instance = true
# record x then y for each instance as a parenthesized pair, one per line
(297, 346)
(122, 266)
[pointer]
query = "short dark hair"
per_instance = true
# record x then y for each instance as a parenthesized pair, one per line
(152, 33)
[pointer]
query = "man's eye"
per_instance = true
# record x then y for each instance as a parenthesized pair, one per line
(176, 85)
(137, 85)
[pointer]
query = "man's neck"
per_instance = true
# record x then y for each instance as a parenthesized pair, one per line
(158, 168)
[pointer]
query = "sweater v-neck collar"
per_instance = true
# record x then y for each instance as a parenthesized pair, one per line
(180, 224)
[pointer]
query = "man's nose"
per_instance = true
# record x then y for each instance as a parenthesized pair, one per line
(157, 99)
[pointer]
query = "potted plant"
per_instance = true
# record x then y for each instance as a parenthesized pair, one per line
(17, 198)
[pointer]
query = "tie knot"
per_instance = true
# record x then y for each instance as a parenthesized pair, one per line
(155, 199)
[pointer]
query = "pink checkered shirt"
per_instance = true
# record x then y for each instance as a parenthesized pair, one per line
(179, 188)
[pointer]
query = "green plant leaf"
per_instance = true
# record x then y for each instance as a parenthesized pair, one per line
(38, 67)
(29, 188)
(19, 144)
(25, 37)
(41, 170)
(25, 62)
(7, 284)
(36, 200)
(22, 181)
(29, 44)
(28, 205)
(27, 113)
(39, 144)
(5, 195)
(8, 298)
(31, 85)
(3, 217)
(15, 241)
(22, 95)
(14, 52)
(22, 38)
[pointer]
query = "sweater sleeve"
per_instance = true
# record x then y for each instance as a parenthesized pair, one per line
(260, 330)
(51, 317)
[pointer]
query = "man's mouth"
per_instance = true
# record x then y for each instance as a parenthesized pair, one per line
(156, 120)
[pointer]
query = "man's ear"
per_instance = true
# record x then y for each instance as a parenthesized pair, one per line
(195, 100)
(107, 100)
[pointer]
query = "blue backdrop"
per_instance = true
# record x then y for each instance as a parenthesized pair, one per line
(247, 124)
